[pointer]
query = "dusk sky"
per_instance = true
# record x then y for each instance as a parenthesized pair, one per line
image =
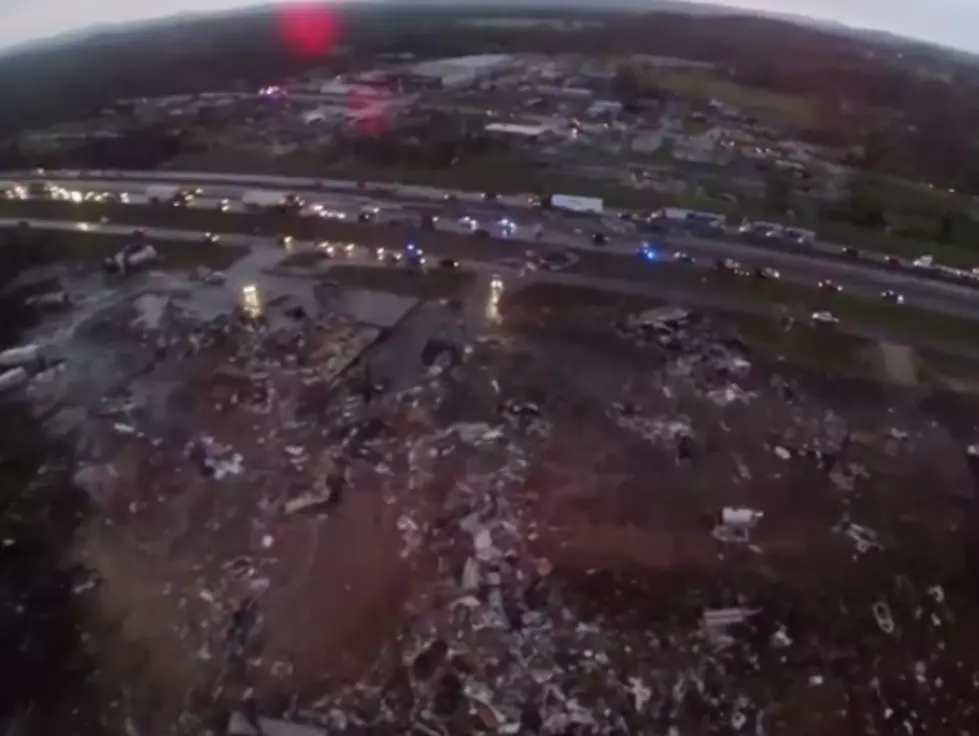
(950, 22)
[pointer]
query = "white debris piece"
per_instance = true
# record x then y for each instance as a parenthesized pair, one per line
(471, 574)
(717, 621)
(485, 549)
(224, 467)
(474, 433)
(659, 317)
(306, 501)
(730, 395)
(13, 378)
(19, 356)
(736, 524)
(51, 299)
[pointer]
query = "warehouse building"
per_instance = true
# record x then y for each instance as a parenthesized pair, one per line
(461, 71)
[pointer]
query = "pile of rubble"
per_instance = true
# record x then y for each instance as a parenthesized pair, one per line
(750, 625)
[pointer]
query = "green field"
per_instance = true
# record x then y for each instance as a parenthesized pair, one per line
(94, 247)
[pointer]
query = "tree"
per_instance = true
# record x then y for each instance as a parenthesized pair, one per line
(863, 205)
(946, 229)
(778, 192)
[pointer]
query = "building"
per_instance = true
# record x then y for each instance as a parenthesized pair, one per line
(462, 71)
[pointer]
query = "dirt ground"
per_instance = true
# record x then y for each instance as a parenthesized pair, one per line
(528, 539)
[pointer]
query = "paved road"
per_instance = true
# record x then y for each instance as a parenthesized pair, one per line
(556, 230)
(594, 261)
(233, 185)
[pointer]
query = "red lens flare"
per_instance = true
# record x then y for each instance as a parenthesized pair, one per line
(309, 30)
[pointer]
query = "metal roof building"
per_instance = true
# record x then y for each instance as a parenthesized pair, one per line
(460, 71)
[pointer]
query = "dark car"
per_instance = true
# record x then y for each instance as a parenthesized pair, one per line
(211, 238)
(139, 233)
(829, 287)
(481, 232)
(850, 251)
(892, 297)
(893, 261)
(684, 257)
(599, 238)
(490, 196)
(767, 274)
(448, 263)
(727, 264)
(365, 216)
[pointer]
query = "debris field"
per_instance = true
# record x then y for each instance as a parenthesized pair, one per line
(584, 518)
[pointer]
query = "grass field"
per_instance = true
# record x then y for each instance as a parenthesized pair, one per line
(94, 247)
(707, 86)
(403, 282)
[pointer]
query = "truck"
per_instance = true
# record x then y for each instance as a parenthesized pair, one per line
(579, 205)
(261, 199)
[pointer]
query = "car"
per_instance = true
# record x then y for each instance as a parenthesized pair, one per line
(599, 238)
(490, 196)
(824, 318)
(139, 233)
(285, 240)
(727, 264)
(683, 257)
(769, 274)
(829, 287)
(481, 232)
(365, 216)
(850, 252)
(448, 263)
(892, 297)
(649, 252)
(893, 261)
(211, 238)
(224, 205)
(428, 221)
(450, 198)
(413, 254)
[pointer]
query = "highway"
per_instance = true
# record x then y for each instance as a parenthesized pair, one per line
(233, 186)
(543, 229)
(592, 261)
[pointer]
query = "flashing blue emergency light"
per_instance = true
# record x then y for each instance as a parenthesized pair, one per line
(648, 253)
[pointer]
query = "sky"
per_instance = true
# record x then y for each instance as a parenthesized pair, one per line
(948, 22)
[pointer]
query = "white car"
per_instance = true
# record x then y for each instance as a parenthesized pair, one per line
(824, 318)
